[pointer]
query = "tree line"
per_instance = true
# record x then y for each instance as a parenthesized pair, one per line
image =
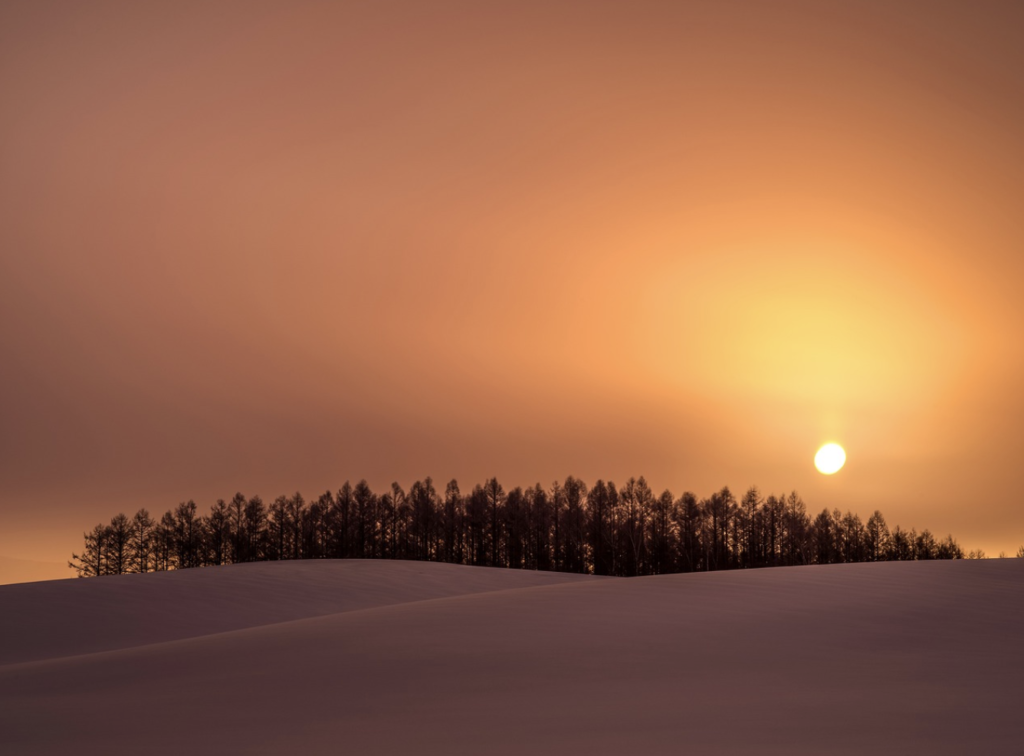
(568, 527)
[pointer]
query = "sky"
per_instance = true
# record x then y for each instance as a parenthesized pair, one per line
(274, 246)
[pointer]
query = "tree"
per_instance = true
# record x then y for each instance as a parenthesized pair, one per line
(495, 496)
(720, 508)
(925, 546)
(660, 540)
(164, 543)
(688, 519)
(342, 517)
(296, 514)
(93, 559)
(824, 538)
(217, 527)
(239, 536)
(902, 545)
(574, 493)
(850, 537)
(317, 527)
(540, 515)
(556, 503)
(771, 536)
(365, 503)
(599, 527)
(796, 532)
(476, 531)
(949, 549)
(118, 537)
(876, 538)
(187, 535)
(423, 505)
(140, 543)
(255, 530)
(277, 520)
(395, 506)
(452, 524)
(606, 530)
(515, 525)
(637, 499)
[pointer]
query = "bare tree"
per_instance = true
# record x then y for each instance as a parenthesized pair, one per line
(140, 543)
(604, 530)
(93, 559)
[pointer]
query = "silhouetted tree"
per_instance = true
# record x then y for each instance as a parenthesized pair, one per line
(93, 559)
(556, 503)
(606, 530)
(574, 549)
(317, 527)
(188, 535)
(540, 516)
(140, 542)
(949, 549)
(771, 537)
(118, 536)
(366, 516)
(925, 546)
(901, 546)
(876, 538)
(296, 515)
(164, 548)
(750, 521)
(236, 513)
(660, 536)
(495, 500)
(256, 534)
(342, 541)
(599, 528)
(637, 499)
(452, 528)
(277, 517)
(721, 507)
(422, 510)
(217, 527)
(516, 525)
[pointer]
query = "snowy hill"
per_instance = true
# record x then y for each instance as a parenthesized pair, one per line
(400, 657)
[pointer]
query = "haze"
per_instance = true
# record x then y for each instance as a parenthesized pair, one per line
(273, 246)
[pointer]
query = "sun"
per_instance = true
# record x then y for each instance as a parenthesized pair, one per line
(830, 459)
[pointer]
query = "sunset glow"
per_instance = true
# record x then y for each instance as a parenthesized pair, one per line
(303, 243)
(447, 376)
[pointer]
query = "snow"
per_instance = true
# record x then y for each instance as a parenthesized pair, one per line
(388, 658)
(72, 617)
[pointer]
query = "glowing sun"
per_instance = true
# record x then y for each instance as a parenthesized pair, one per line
(830, 458)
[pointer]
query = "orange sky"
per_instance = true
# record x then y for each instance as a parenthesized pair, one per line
(274, 246)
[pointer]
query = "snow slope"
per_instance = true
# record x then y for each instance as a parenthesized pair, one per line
(898, 658)
(72, 617)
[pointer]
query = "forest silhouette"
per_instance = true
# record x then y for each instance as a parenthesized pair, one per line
(603, 530)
